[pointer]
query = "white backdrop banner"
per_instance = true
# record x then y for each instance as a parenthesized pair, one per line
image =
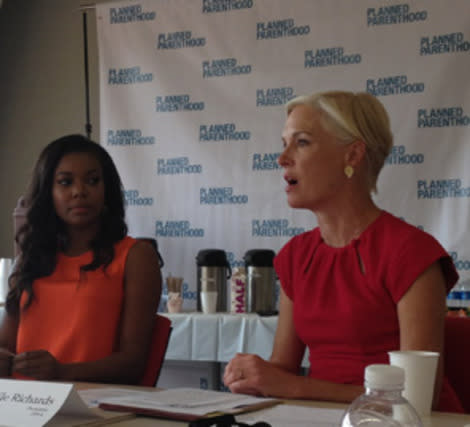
(191, 110)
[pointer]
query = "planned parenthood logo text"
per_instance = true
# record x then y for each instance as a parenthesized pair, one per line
(179, 40)
(221, 196)
(442, 117)
(460, 264)
(273, 228)
(177, 166)
(126, 76)
(442, 189)
(222, 132)
(233, 261)
(133, 198)
(212, 6)
(443, 43)
(280, 28)
(265, 161)
(176, 103)
(177, 229)
(187, 294)
(127, 137)
(329, 56)
(274, 96)
(123, 15)
(394, 14)
(393, 85)
(399, 156)
(223, 67)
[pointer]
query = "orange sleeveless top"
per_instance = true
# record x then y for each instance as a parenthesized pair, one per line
(75, 315)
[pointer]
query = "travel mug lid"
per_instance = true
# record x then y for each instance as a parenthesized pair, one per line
(212, 258)
(259, 257)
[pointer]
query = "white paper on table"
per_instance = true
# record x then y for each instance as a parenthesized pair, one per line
(94, 396)
(187, 401)
(34, 403)
(294, 416)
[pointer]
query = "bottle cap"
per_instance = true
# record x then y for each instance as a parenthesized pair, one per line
(385, 377)
(212, 258)
(259, 257)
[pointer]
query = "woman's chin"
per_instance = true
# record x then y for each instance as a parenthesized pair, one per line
(295, 204)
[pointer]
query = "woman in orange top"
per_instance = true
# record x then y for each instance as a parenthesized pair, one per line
(83, 294)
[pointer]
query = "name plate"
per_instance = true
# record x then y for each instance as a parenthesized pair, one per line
(34, 403)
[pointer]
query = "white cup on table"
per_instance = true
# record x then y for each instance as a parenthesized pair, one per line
(420, 375)
(208, 302)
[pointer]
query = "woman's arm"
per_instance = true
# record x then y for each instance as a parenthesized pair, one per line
(8, 332)
(286, 338)
(279, 377)
(421, 314)
(142, 289)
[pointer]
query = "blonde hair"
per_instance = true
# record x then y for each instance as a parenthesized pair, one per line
(351, 117)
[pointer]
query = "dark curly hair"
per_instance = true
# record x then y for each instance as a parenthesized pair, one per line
(43, 235)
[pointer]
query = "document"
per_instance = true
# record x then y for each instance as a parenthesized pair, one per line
(39, 403)
(94, 396)
(186, 403)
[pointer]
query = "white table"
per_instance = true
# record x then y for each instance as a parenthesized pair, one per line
(200, 345)
(437, 419)
(218, 337)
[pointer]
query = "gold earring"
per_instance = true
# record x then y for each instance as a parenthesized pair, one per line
(349, 171)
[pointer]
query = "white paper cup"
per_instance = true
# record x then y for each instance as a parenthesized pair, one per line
(420, 375)
(208, 302)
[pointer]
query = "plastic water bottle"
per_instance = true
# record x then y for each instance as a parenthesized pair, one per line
(382, 404)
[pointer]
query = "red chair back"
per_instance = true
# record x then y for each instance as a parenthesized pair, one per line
(457, 357)
(160, 337)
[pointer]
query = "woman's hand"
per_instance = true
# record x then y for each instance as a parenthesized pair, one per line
(39, 364)
(6, 360)
(249, 374)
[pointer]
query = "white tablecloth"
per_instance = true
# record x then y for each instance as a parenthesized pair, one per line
(218, 337)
